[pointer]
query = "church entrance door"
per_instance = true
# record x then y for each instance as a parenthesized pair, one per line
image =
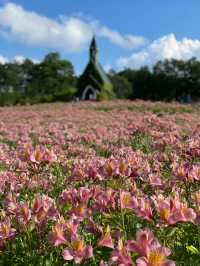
(89, 93)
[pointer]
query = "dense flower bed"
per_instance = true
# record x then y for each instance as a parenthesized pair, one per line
(100, 184)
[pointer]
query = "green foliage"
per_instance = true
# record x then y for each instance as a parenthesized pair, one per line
(142, 142)
(51, 80)
(66, 94)
(168, 80)
(121, 86)
(170, 110)
(191, 249)
(100, 151)
(106, 93)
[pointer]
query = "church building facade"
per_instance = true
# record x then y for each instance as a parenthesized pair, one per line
(94, 78)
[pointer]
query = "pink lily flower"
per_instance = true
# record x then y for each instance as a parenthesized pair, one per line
(144, 209)
(11, 204)
(68, 196)
(150, 251)
(79, 172)
(111, 196)
(180, 171)
(37, 156)
(144, 240)
(80, 212)
(156, 256)
(49, 156)
(78, 252)
(171, 210)
(58, 234)
(23, 213)
(44, 209)
(124, 168)
(109, 168)
(6, 231)
(84, 194)
(195, 173)
(155, 181)
(103, 202)
(42, 155)
(121, 256)
(72, 226)
(27, 150)
(184, 214)
(106, 239)
(127, 201)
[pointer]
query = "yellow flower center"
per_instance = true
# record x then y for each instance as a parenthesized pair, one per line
(109, 168)
(40, 216)
(122, 167)
(126, 199)
(24, 211)
(156, 258)
(181, 172)
(38, 155)
(80, 210)
(78, 245)
(184, 210)
(5, 229)
(164, 214)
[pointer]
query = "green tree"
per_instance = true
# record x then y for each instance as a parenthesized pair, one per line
(53, 79)
(121, 86)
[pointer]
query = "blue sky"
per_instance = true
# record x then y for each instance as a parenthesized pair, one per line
(130, 33)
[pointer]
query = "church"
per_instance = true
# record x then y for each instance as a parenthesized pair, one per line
(94, 79)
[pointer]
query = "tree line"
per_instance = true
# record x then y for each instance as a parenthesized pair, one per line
(54, 79)
(167, 80)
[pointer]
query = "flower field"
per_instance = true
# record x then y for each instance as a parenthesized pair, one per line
(114, 183)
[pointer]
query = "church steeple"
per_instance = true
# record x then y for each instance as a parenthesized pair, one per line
(94, 79)
(93, 50)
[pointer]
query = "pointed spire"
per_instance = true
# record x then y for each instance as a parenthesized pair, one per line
(93, 43)
(93, 50)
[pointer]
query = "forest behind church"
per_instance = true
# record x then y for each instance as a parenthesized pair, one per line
(54, 79)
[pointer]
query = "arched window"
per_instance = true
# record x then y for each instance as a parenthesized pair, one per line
(89, 93)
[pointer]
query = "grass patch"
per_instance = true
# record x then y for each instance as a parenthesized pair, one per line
(10, 143)
(142, 142)
(156, 109)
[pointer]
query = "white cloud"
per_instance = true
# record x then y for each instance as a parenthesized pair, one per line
(165, 47)
(35, 61)
(30, 28)
(3, 59)
(126, 41)
(70, 34)
(19, 59)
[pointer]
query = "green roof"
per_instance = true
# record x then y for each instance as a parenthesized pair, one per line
(102, 73)
(94, 74)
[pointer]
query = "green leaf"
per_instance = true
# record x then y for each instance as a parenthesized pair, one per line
(192, 250)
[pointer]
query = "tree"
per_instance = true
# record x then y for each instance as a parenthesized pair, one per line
(121, 86)
(178, 78)
(143, 84)
(168, 80)
(53, 79)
